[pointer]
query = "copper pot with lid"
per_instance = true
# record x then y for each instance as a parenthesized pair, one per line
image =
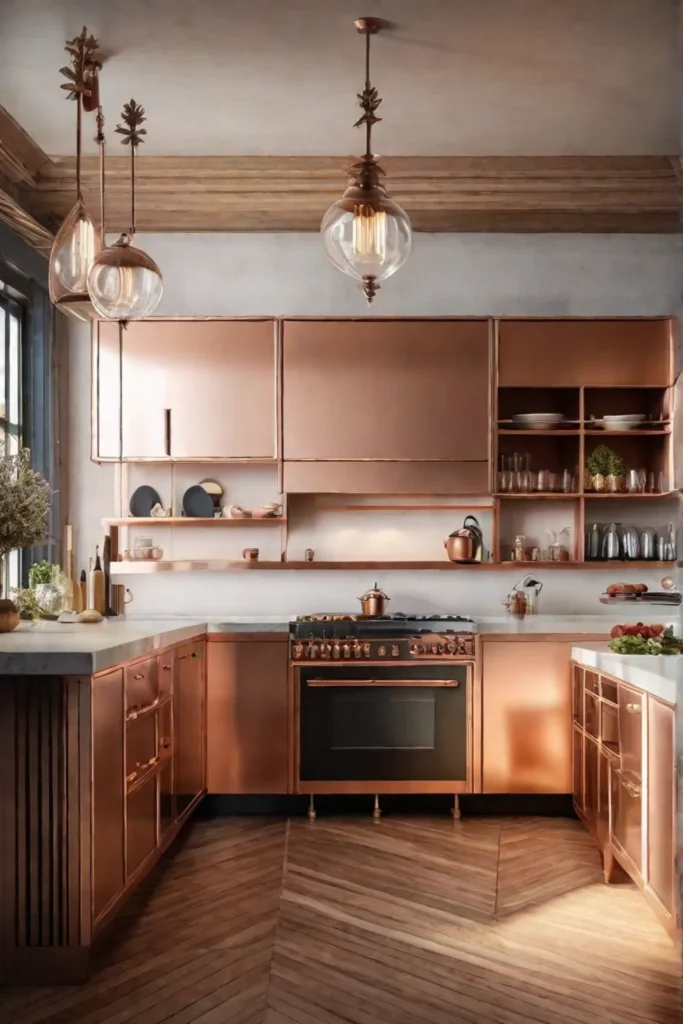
(374, 601)
(467, 543)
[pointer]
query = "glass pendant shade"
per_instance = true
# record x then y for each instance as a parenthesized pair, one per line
(124, 282)
(366, 234)
(73, 251)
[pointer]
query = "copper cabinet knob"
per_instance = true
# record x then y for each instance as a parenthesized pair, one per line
(381, 651)
(139, 675)
(633, 708)
(395, 651)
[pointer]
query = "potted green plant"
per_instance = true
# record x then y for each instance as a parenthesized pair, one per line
(605, 470)
(24, 511)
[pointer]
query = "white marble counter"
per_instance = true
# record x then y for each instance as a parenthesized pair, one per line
(660, 675)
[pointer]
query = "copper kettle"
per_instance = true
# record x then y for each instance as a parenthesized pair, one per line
(374, 601)
(467, 543)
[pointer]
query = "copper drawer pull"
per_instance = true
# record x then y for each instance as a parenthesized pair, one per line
(166, 668)
(136, 712)
(139, 675)
(382, 682)
(633, 708)
(142, 770)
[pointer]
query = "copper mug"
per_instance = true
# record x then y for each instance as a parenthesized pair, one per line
(120, 596)
(250, 554)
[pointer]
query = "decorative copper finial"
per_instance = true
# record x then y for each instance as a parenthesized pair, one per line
(84, 54)
(133, 115)
(370, 287)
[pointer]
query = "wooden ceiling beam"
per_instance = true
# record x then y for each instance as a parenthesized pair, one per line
(21, 159)
(516, 194)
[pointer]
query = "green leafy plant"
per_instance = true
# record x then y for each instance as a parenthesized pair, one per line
(26, 602)
(24, 502)
(41, 572)
(665, 643)
(603, 461)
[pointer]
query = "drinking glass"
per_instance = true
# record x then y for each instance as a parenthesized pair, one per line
(553, 480)
(542, 480)
(642, 480)
(632, 481)
(567, 481)
(527, 481)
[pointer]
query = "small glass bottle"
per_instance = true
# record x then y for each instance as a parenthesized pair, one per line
(519, 553)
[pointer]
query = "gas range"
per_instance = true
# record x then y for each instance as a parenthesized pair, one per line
(400, 638)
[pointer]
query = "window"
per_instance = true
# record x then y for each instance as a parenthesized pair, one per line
(11, 321)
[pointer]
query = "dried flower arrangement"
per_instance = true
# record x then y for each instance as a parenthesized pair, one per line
(24, 503)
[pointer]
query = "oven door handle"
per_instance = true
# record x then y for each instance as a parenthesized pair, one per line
(382, 682)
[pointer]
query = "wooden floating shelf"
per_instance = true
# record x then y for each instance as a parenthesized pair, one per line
(561, 496)
(628, 433)
(194, 521)
(557, 432)
(220, 565)
(626, 495)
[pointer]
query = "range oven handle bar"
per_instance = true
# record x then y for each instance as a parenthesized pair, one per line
(382, 682)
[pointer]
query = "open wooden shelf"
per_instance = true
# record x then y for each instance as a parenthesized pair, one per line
(194, 521)
(557, 432)
(661, 432)
(222, 565)
(628, 496)
(538, 495)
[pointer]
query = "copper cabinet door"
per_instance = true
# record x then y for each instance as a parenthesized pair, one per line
(591, 352)
(631, 729)
(578, 768)
(141, 815)
(108, 744)
(106, 391)
(591, 754)
(189, 721)
(661, 802)
(247, 716)
(527, 716)
(199, 389)
(627, 817)
(386, 389)
(602, 824)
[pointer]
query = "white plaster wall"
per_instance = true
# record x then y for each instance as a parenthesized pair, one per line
(283, 274)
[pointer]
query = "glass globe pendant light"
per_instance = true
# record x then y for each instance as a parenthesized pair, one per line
(124, 282)
(366, 234)
(78, 240)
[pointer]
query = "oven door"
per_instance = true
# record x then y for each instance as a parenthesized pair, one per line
(384, 723)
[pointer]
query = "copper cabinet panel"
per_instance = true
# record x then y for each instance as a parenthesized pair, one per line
(189, 747)
(661, 802)
(602, 824)
(452, 478)
(106, 391)
(609, 690)
(591, 753)
(591, 681)
(592, 712)
(142, 685)
(627, 817)
(577, 694)
(593, 353)
(141, 814)
(167, 810)
(527, 717)
(141, 745)
(631, 729)
(386, 389)
(578, 768)
(108, 732)
(199, 389)
(247, 719)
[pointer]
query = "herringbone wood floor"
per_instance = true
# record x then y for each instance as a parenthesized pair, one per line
(408, 921)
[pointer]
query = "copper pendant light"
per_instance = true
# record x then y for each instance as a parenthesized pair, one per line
(78, 240)
(124, 282)
(366, 234)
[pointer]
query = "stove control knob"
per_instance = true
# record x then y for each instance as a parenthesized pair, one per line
(325, 650)
(381, 651)
(451, 648)
(440, 649)
(314, 650)
(346, 651)
(395, 651)
(336, 650)
(411, 650)
(434, 649)
(298, 650)
(366, 650)
(356, 650)
(420, 649)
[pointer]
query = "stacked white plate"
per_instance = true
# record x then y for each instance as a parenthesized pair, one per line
(537, 420)
(629, 421)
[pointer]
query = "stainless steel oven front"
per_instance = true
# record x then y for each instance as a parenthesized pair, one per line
(384, 728)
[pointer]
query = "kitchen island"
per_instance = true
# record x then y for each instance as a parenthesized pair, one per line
(624, 767)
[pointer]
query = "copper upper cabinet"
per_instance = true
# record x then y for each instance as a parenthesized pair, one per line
(527, 717)
(247, 719)
(591, 353)
(106, 390)
(386, 389)
(190, 389)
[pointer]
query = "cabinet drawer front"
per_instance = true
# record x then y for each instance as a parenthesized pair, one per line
(591, 681)
(592, 705)
(142, 685)
(452, 478)
(141, 747)
(141, 816)
(631, 729)
(609, 690)
(627, 817)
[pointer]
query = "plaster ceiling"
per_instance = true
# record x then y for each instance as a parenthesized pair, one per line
(509, 77)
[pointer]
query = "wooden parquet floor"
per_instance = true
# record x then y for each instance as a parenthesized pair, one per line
(405, 921)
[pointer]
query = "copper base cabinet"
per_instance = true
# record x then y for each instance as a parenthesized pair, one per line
(248, 719)
(625, 785)
(527, 716)
(190, 726)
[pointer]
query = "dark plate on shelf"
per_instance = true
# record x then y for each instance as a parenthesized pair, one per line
(197, 504)
(143, 501)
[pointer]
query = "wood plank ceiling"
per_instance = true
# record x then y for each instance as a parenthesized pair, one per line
(261, 921)
(275, 193)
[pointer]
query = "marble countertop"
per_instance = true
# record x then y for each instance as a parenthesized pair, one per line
(660, 675)
(54, 648)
